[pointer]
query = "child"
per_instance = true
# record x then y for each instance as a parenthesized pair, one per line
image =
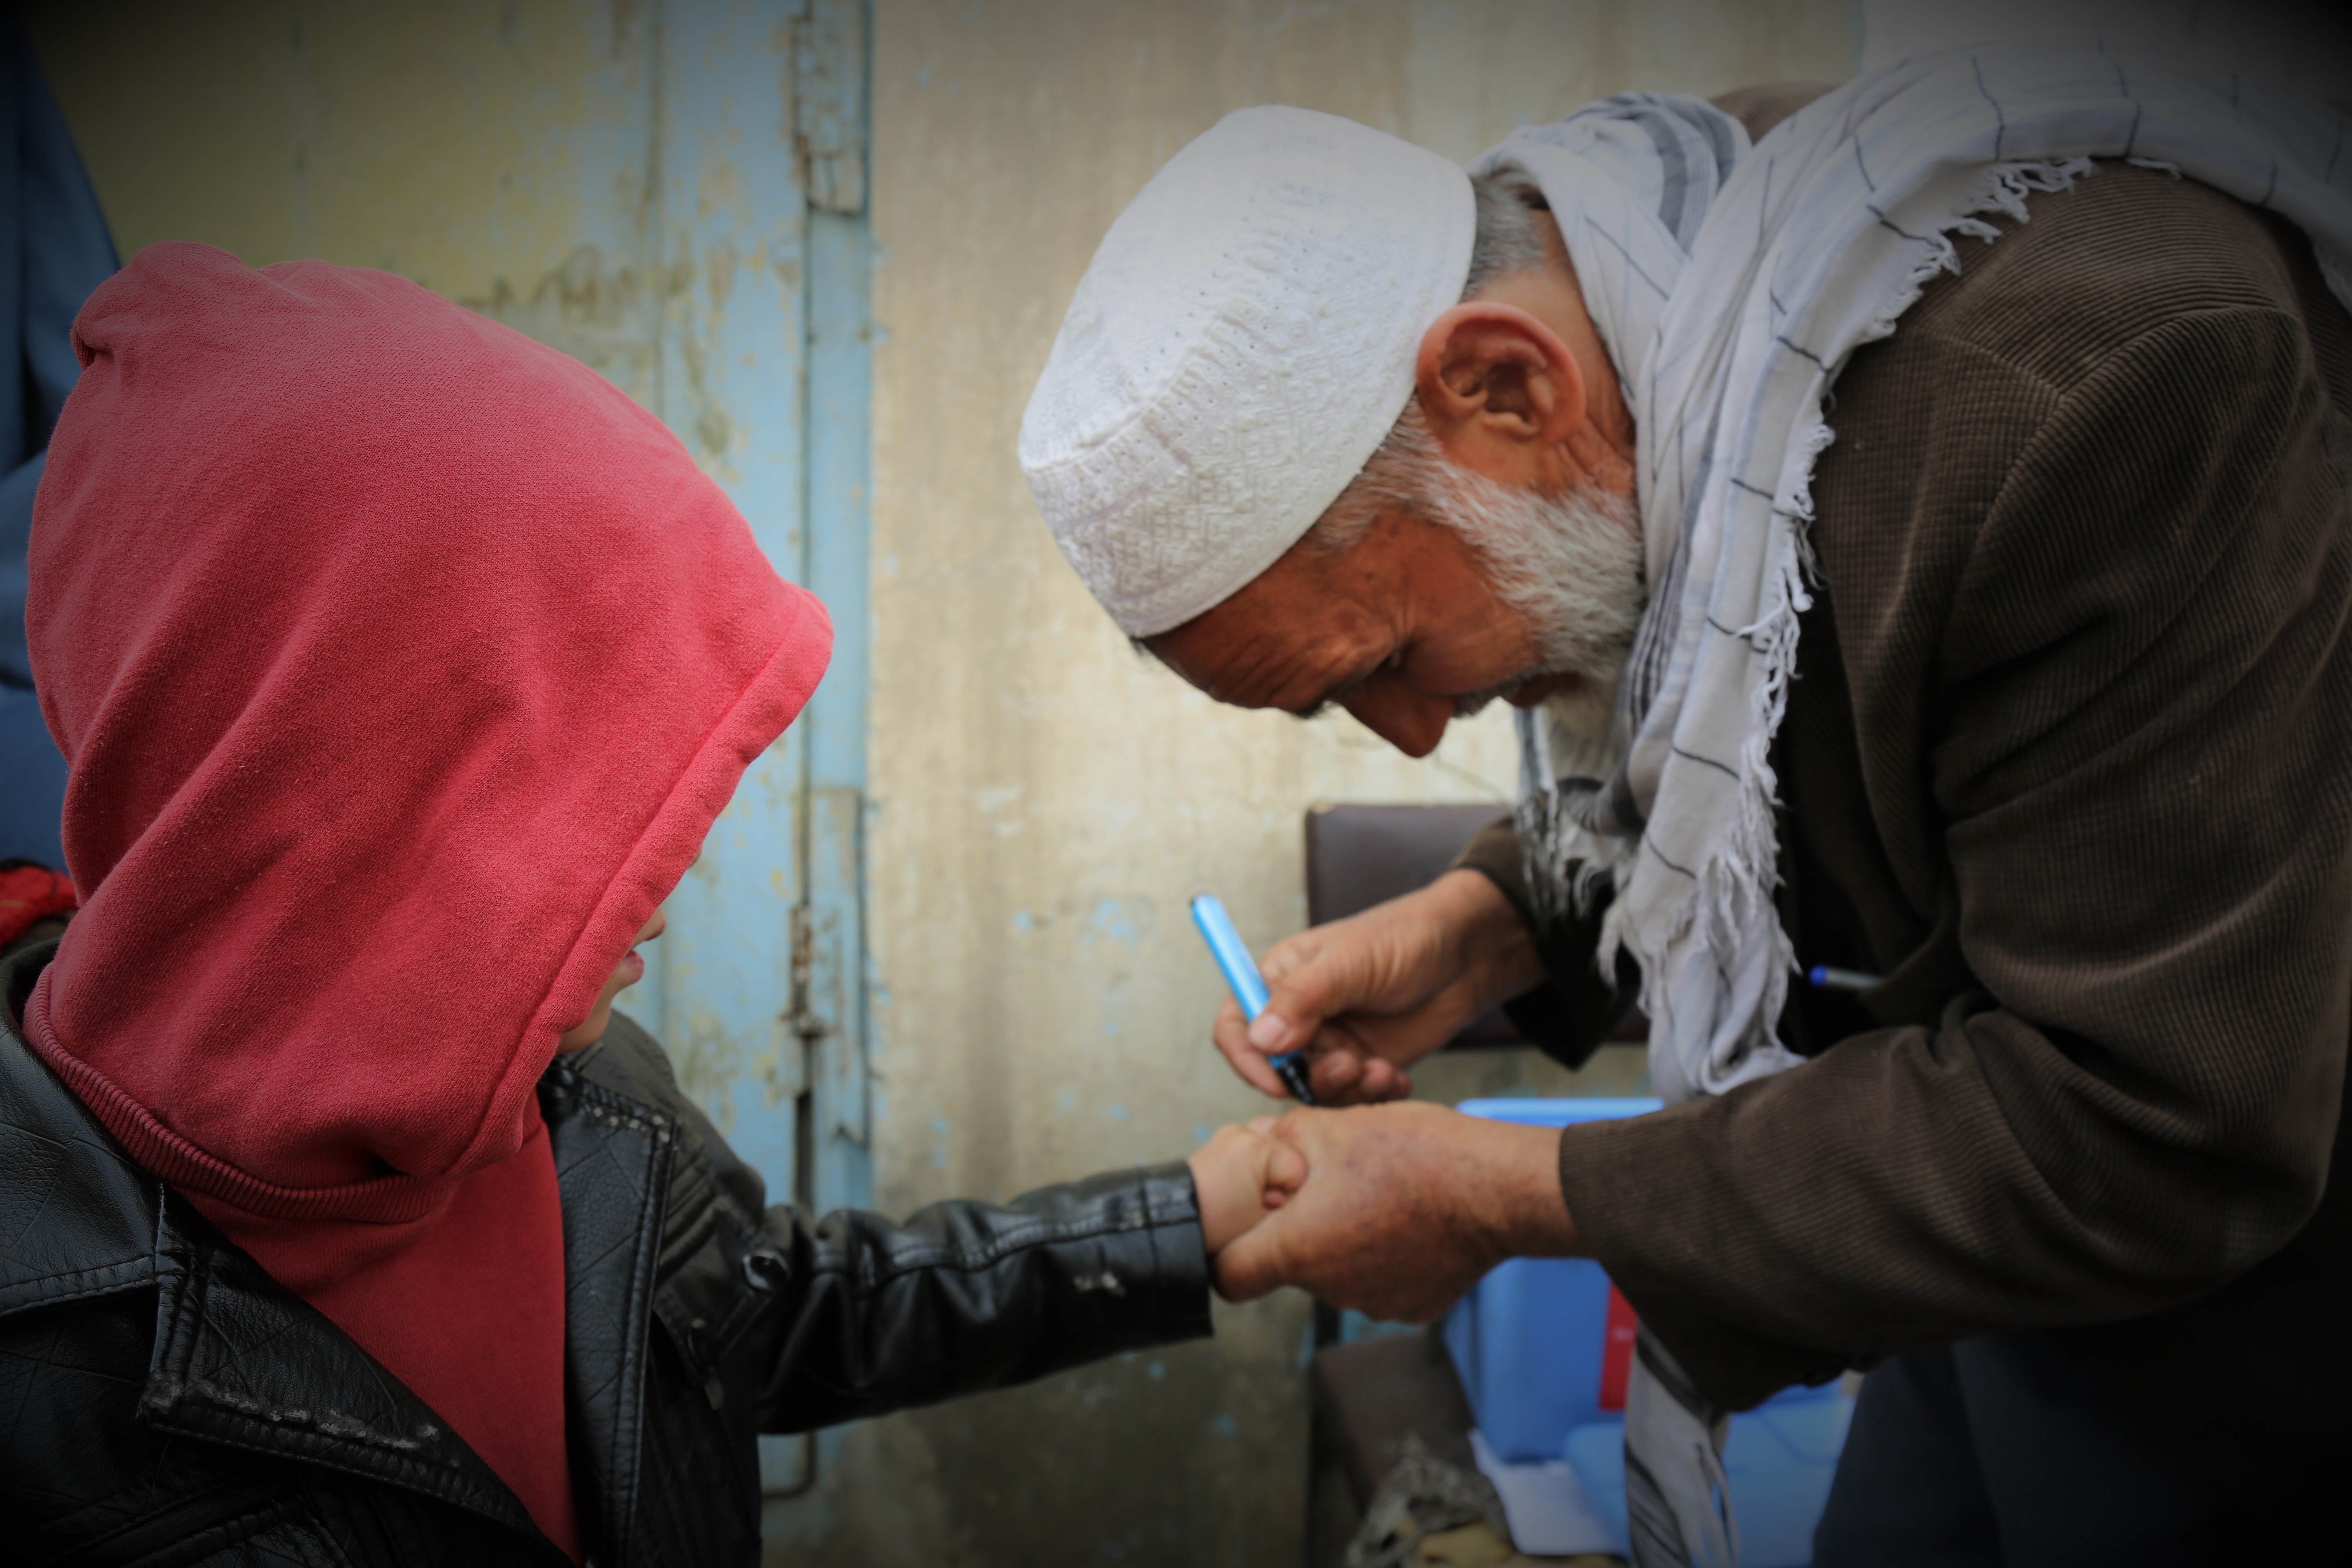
(402, 666)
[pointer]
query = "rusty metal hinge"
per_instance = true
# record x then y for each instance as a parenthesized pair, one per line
(803, 1019)
(829, 104)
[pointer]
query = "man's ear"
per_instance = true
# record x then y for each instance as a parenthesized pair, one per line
(1496, 385)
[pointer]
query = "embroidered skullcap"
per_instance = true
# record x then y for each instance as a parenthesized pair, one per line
(1241, 342)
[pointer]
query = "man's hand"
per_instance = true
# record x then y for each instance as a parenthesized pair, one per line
(1403, 1208)
(1373, 994)
(1240, 1176)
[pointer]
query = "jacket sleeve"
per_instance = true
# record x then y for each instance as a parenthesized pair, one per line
(864, 1316)
(2135, 751)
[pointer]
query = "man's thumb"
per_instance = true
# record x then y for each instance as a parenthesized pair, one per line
(1300, 1000)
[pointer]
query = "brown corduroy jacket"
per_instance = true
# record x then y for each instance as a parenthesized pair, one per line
(2069, 762)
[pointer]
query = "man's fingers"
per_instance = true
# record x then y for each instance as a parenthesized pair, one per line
(1346, 1075)
(1324, 982)
(1286, 955)
(1334, 1073)
(1253, 1263)
(1272, 1032)
(1232, 1042)
(1382, 1081)
(1331, 1068)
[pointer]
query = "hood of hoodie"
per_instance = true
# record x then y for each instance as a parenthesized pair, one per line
(402, 664)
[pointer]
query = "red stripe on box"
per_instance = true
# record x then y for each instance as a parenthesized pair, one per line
(1617, 1350)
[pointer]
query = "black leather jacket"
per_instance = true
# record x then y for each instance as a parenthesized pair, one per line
(164, 1400)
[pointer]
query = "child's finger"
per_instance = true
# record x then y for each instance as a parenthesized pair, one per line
(1285, 1170)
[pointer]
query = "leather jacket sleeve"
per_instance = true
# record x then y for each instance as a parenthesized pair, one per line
(786, 1322)
(867, 1316)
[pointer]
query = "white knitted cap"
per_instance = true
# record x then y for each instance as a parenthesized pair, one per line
(1238, 347)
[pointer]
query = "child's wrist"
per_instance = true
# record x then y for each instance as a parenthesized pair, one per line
(1208, 1201)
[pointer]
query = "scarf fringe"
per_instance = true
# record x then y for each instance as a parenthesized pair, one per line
(1733, 892)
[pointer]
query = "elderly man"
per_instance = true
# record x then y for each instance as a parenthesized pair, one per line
(1999, 668)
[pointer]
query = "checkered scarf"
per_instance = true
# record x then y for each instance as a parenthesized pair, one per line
(1730, 284)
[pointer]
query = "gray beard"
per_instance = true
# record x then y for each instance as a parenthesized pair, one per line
(1570, 564)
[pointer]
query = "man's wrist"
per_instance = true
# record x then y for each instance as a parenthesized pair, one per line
(1497, 951)
(1524, 1210)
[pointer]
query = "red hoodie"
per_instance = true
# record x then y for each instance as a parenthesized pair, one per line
(403, 665)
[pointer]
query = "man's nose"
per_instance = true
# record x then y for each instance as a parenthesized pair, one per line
(1413, 722)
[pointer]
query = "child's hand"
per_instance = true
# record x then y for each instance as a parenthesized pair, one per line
(1242, 1176)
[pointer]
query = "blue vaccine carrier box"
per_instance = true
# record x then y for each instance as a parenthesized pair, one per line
(1530, 1342)
(1778, 1460)
(1530, 1345)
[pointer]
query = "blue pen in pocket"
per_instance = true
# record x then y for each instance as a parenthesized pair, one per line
(1240, 969)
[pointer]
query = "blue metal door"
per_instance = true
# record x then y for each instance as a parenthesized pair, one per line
(759, 989)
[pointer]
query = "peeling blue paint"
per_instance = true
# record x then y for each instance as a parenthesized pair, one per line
(1110, 921)
(763, 371)
(726, 992)
(1066, 1100)
(1116, 1111)
(1223, 1426)
(1023, 921)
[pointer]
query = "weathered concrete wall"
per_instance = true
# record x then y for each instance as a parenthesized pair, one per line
(517, 181)
(1045, 799)
(2303, 45)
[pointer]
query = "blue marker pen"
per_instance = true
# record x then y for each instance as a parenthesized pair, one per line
(1240, 969)
(1830, 978)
